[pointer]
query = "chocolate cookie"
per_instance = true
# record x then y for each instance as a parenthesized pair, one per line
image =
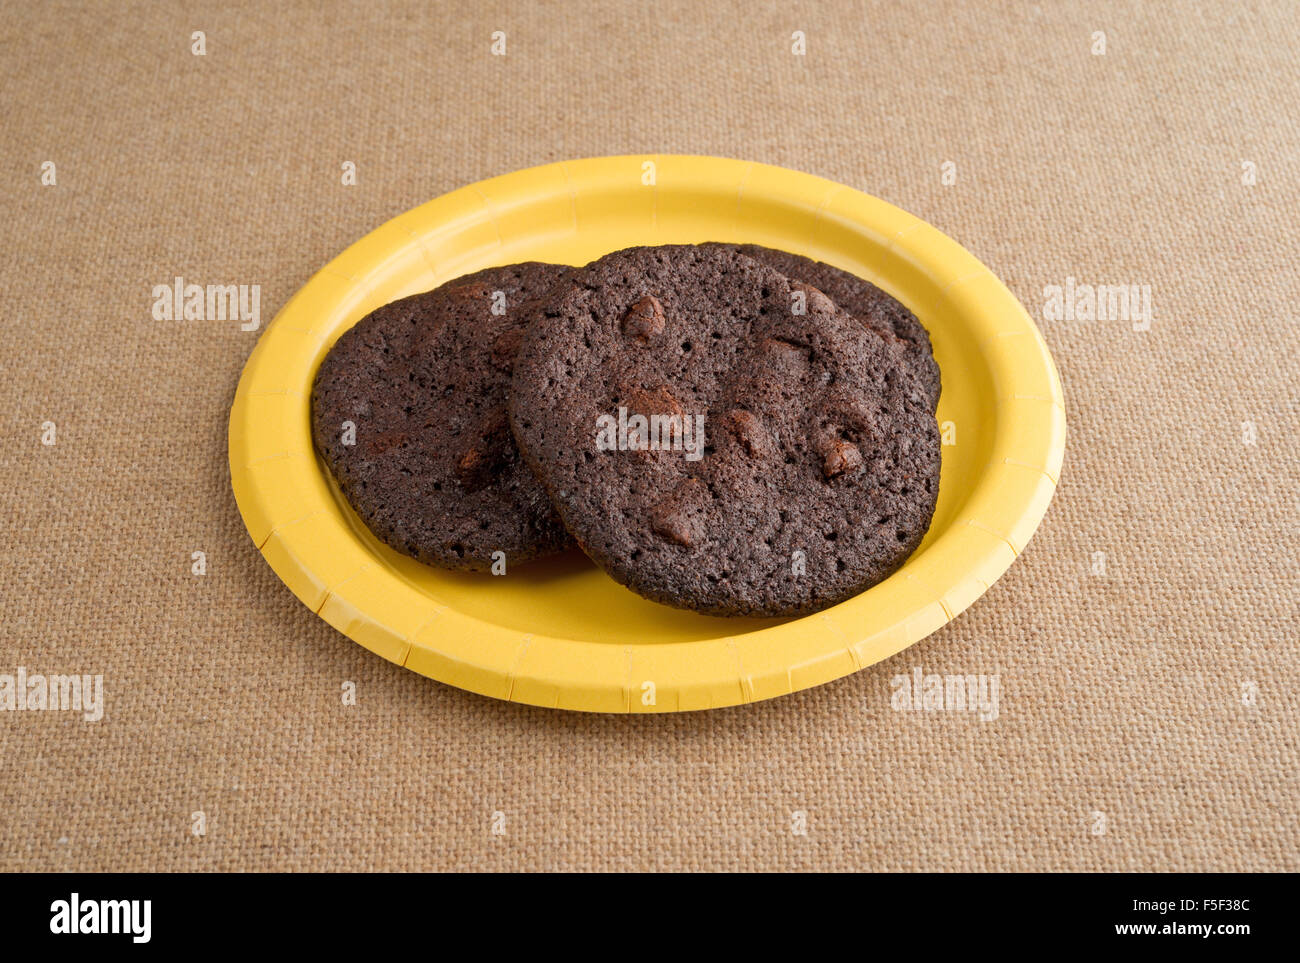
(719, 438)
(864, 301)
(409, 413)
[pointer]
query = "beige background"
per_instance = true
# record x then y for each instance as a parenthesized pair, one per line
(1121, 693)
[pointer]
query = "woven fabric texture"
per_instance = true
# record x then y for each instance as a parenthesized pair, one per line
(1148, 694)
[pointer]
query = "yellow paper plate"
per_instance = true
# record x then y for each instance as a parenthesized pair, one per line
(561, 633)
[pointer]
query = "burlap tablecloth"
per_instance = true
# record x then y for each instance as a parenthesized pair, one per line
(1148, 715)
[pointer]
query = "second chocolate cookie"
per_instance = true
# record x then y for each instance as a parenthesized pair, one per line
(409, 413)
